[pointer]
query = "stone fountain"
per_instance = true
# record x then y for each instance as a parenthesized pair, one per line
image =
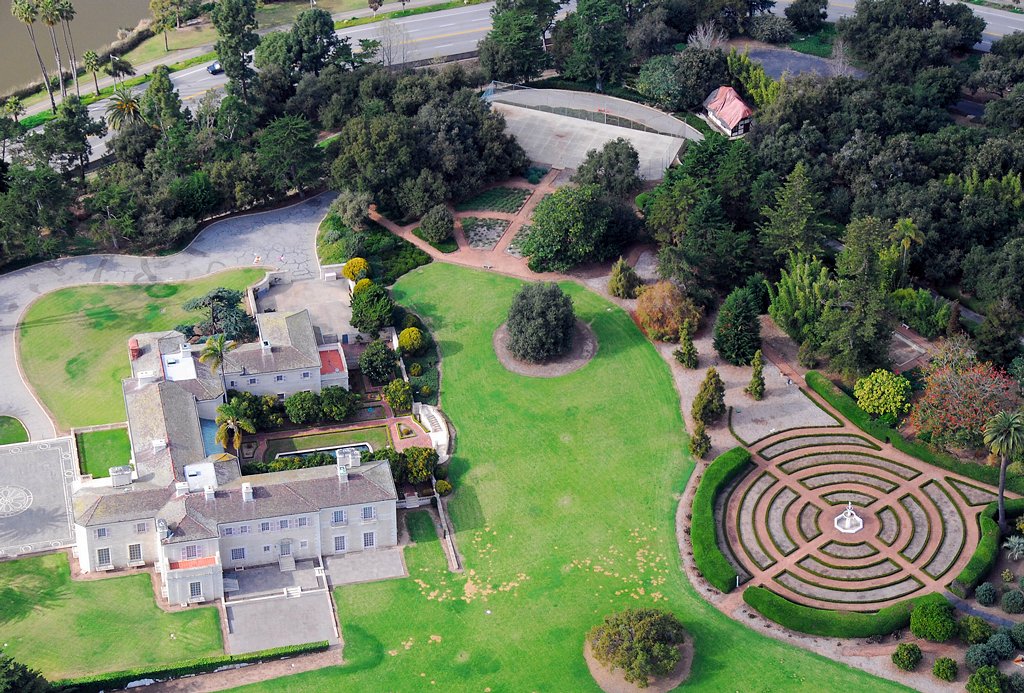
(848, 522)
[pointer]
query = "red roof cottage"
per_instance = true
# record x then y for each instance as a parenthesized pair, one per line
(727, 112)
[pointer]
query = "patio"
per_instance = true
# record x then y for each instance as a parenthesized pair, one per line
(269, 580)
(35, 496)
(365, 566)
(266, 623)
(327, 302)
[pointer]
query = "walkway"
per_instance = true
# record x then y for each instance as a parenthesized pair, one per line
(280, 238)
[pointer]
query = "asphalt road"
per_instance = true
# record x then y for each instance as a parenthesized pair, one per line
(451, 32)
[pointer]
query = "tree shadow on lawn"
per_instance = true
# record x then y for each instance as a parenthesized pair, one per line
(467, 514)
(28, 585)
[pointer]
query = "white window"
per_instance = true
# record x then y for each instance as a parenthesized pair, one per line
(102, 533)
(253, 381)
(244, 529)
(283, 524)
(279, 378)
(339, 544)
(226, 531)
(192, 551)
(266, 548)
(369, 512)
(231, 384)
(195, 589)
(338, 518)
(134, 553)
(238, 554)
(142, 528)
(102, 557)
(305, 375)
(264, 526)
(281, 396)
(303, 522)
(369, 540)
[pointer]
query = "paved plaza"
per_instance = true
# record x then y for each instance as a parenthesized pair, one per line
(328, 304)
(35, 496)
(365, 566)
(266, 623)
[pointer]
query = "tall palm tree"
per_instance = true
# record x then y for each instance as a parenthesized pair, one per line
(906, 234)
(1004, 435)
(67, 15)
(123, 109)
(26, 12)
(118, 67)
(91, 63)
(231, 423)
(49, 14)
(214, 351)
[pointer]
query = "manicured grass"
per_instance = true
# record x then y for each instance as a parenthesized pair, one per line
(376, 436)
(819, 44)
(449, 246)
(98, 451)
(68, 628)
(564, 507)
(12, 431)
(74, 342)
(496, 200)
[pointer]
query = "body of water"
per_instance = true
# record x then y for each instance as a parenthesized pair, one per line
(95, 26)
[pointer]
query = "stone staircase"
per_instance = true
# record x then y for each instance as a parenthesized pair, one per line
(287, 564)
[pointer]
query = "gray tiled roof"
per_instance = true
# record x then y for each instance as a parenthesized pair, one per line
(162, 411)
(121, 506)
(292, 346)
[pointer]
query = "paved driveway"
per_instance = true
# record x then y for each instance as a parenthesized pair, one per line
(282, 238)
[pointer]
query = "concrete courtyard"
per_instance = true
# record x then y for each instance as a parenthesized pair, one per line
(262, 624)
(328, 304)
(35, 496)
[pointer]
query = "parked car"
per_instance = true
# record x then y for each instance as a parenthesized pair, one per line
(214, 68)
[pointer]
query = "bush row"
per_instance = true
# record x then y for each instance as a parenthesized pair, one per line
(710, 560)
(117, 680)
(848, 407)
(985, 555)
(834, 624)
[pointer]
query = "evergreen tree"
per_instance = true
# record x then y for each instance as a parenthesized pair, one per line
(686, 354)
(709, 404)
(998, 338)
(738, 328)
(513, 50)
(599, 50)
(624, 280)
(793, 223)
(700, 442)
(235, 21)
(953, 326)
(798, 299)
(756, 387)
(18, 678)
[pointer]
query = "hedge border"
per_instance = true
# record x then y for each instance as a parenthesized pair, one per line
(802, 481)
(817, 525)
(757, 535)
(899, 525)
(859, 504)
(852, 589)
(869, 444)
(913, 529)
(852, 453)
(768, 529)
(880, 561)
(117, 680)
(874, 551)
(963, 537)
(707, 555)
(987, 551)
(833, 623)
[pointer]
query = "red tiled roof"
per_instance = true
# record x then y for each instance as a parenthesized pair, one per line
(727, 106)
(193, 563)
(331, 362)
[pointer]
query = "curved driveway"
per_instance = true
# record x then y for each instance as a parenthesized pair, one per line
(282, 239)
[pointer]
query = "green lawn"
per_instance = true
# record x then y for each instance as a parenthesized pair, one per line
(819, 44)
(376, 436)
(74, 342)
(12, 431)
(564, 511)
(67, 628)
(98, 451)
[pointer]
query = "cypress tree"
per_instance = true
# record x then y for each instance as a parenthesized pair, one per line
(700, 443)
(624, 280)
(686, 354)
(738, 327)
(756, 387)
(793, 223)
(709, 404)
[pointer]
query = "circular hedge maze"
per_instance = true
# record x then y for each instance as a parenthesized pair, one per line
(920, 523)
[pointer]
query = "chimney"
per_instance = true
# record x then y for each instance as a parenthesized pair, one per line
(247, 493)
(180, 489)
(159, 444)
(342, 473)
(209, 493)
(161, 528)
(186, 351)
(134, 351)
(265, 345)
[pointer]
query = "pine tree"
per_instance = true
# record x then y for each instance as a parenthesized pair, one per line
(998, 338)
(686, 354)
(624, 280)
(738, 328)
(700, 442)
(15, 676)
(756, 387)
(953, 326)
(709, 404)
(793, 224)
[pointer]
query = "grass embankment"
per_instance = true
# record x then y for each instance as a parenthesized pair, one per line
(566, 492)
(98, 451)
(376, 436)
(67, 628)
(73, 342)
(12, 431)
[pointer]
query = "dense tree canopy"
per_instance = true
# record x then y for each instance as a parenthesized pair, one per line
(541, 322)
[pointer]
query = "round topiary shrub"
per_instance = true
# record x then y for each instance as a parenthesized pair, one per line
(426, 391)
(441, 472)
(437, 225)
(933, 621)
(641, 642)
(945, 669)
(377, 362)
(411, 341)
(1015, 683)
(411, 320)
(1002, 645)
(980, 655)
(986, 594)
(415, 369)
(986, 680)
(355, 269)
(907, 656)
(1013, 602)
(442, 487)
(361, 286)
(974, 629)
(541, 322)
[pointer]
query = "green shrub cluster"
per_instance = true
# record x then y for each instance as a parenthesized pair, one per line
(1013, 602)
(907, 656)
(117, 680)
(945, 669)
(987, 679)
(985, 593)
(837, 624)
(286, 464)
(973, 630)
(980, 655)
(987, 551)
(706, 554)
(933, 621)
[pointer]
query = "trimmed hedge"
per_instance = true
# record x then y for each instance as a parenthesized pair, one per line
(830, 623)
(117, 680)
(710, 560)
(985, 555)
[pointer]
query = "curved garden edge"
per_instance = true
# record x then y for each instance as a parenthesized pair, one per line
(615, 682)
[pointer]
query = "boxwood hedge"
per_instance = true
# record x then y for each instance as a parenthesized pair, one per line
(710, 560)
(985, 555)
(117, 680)
(830, 623)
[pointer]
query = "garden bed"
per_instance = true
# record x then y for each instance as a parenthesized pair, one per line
(449, 246)
(509, 200)
(483, 233)
(389, 256)
(515, 247)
